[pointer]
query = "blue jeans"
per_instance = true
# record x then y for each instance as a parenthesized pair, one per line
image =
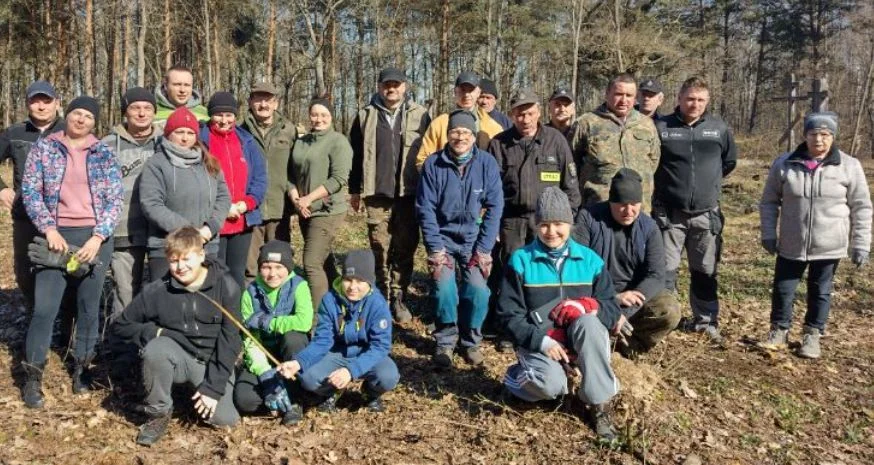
(383, 377)
(787, 275)
(460, 311)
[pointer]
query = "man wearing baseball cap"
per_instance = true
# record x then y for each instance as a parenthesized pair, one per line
(562, 111)
(385, 139)
(467, 91)
(275, 136)
(650, 96)
(15, 143)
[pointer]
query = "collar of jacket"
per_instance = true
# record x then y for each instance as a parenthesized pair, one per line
(540, 251)
(603, 112)
(162, 100)
(376, 101)
(54, 127)
(678, 116)
(444, 155)
(121, 131)
(517, 136)
(800, 155)
(250, 122)
(212, 275)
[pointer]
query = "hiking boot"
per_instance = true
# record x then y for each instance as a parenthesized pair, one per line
(31, 394)
(810, 343)
(293, 416)
(153, 430)
(504, 346)
(373, 403)
(603, 424)
(82, 376)
(712, 333)
(474, 356)
(443, 357)
(400, 311)
(778, 338)
(329, 405)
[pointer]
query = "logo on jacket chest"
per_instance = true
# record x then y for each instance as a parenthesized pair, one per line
(711, 133)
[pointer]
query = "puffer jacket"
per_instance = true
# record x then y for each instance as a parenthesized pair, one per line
(820, 212)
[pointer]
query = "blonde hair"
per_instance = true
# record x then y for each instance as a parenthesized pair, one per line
(183, 240)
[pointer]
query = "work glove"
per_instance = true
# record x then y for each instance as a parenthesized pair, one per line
(483, 261)
(40, 255)
(567, 311)
(259, 320)
(859, 257)
(273, 389)
(770, 245)
(436, 262)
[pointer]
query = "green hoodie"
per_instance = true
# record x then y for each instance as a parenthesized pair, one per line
(165, 107)
(300, 320)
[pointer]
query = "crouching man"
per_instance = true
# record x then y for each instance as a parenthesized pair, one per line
(557, 303)
(184, 337)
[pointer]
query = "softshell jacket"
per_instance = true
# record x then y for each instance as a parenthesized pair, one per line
(191, 320)
(526, 170)
(291, 306)
(362, 137)
(451, 203)
(322, 158)
(694, 160)
(256, 172)
(360, 331)
(15, 143)
(435, 137)
(820, 212)
(44, 173)
(532, 286)
(276, 145)
(165, 107)
(133, 229)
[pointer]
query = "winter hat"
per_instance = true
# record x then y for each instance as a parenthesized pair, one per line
(461, 119)
(86, 103)
(626, 187)
(181, 117)
(360, 264)
(827, 120)
(137, 94)
(276, 251)
(488, 87)
(553, 205)
(323, 102)
(222, 102)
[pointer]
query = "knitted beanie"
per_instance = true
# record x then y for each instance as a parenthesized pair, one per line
(181, 117)
(84, 102)
(553, 206)
(626, 187)
(360, 264)
(222, 102)
(276, 251)
(137, 94)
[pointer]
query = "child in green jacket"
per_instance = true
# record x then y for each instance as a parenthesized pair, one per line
(277, 308)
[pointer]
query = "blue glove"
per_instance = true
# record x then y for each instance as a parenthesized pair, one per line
(273, 389)
(259, 320)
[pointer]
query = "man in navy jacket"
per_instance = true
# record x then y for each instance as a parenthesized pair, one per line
(459, 203)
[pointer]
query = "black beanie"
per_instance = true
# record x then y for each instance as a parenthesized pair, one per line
(360, 264)
(276, 251)
(323, 102)
(86, 103)
(137, 94)
(626, 187)
(488, 87)
(461, 119)
(222, 102)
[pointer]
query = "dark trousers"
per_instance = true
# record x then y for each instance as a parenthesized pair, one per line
(23, 232)
(247, 392)
(787, 275)
(234, 252)
(49, 291)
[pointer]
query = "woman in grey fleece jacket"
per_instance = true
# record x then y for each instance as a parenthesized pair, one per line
(820, 197)
(182, 185)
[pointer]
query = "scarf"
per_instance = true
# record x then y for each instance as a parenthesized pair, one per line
(181, 157)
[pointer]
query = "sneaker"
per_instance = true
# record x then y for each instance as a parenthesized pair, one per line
(153, 430)
(504, 346)
(474, 356)
(329, 405)
(293, 416)
(778, 338)
(603, 424)
(401, 313)
(443, 357)
(810, 343)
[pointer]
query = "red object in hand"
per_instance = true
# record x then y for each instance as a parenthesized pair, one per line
(568, 310)
(560, 335)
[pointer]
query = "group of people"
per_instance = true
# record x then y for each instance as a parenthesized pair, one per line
(559, 235)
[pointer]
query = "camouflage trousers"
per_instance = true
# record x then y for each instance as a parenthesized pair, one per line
(394, 236)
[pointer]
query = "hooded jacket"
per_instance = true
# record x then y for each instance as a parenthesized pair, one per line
(276, 143)
(191, 320)
(820, 212)
(15, 143)
(165, 107)
(133, 229)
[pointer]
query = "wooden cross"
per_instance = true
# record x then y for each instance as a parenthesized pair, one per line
(791, 118)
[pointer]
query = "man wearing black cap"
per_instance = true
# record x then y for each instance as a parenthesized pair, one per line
(15, 143)
(562, 111)
(630, 243)
(132, 142)
(467, 92)
(614, 136)
(276, 136)
(649, 98)
(488, 99)
(385, 139)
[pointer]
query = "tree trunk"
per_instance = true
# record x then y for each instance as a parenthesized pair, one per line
(88, 69)
(443, 75)
(760, 71)
(207, 43)
(113, 60)
(869, 76)
(359, 63)
(141, 43)
(7, 77)
(617, 21)
(167, 55)
(125, 56)
(726, 59)
(271, 41)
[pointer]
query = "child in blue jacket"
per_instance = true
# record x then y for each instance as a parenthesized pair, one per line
(352, 339)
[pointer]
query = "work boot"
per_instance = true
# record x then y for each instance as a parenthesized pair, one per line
(293, 416)
(443, 357)
(810, 343)
(400, 311)
(778, 338)
(503, 345)
(373, 403)
(153, 430)
(712, 332)
(82, 375)
(603, 424)
(329, 405)
(32, 392)
(474, 356)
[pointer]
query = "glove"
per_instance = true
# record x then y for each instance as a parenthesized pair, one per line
(770, 245)
(860, 257)
(259, 320)
(568, 310)
(273, 389)
(483, 261)
(40, 255)
(436, 262)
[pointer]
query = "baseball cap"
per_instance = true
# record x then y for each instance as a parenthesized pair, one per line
(41, 88)
(392, 74)
(650, 85)
(467, 77)
(264, 87)
(523, 97)
(561, 92)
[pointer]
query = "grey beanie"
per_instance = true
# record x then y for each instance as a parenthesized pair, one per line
(827, 120)
(461, 119)
(360, 264)
(626, 187)
(553, 205)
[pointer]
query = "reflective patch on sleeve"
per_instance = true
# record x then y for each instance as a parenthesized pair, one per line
(550, 176)
(572, 169)
(383, 323)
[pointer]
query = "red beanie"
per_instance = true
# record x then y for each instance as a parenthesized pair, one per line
(181, 117)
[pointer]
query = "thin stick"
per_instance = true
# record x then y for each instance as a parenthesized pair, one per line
(242, 328)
